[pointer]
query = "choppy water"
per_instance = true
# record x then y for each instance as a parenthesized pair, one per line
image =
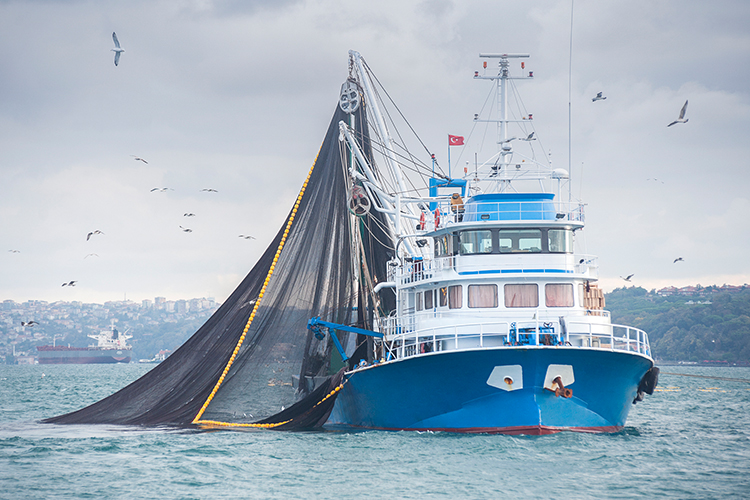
(690, 440)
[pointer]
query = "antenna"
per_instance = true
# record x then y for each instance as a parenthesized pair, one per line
(570, 86)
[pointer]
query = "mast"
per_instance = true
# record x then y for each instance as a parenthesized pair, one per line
(401, 209)
(501, 82)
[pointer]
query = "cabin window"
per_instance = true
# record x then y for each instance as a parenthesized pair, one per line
(560, 240)
(522, 295)
(441, 246)
(443, 296)
(455, 297)
(520, 240)
(419, 301)
(428, 296)
(474, 242)
(482, 295)
(558, 294)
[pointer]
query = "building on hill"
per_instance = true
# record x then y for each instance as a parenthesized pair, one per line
(698, 290)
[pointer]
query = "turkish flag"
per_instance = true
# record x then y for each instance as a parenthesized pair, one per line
(455, 140)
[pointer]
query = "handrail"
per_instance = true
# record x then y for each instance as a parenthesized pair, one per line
(423, 270)
(404, 344)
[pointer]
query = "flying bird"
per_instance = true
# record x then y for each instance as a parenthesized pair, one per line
(599, 97)
(91, 255)
(14, 251)
(138, 158)
(117, 50)
(29, 323)
(161, 190)
(188, 215)
(247, 236)
(678, 259)
(682, 118)
(93, 233)
(187, 230)
(70, 283)
(210, 190)
(530, 137)
(628, 277)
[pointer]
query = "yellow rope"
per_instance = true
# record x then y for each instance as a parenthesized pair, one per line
(214, 424)
(197, 419)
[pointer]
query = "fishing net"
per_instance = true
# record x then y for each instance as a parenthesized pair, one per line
(254, 358)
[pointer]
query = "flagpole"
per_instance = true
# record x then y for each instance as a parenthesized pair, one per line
(449, 156)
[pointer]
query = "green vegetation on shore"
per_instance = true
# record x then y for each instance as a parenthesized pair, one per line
(710, 325)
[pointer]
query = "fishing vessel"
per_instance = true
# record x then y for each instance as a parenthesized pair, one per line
(499, 325)
(111, 347)
(399, 296)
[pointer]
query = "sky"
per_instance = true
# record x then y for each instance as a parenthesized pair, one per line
(236, 96)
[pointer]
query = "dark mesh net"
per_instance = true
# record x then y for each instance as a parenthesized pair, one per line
(312, 268)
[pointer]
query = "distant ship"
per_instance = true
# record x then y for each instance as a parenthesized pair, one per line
(111, 347)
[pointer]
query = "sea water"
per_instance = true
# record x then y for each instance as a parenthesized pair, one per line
(691, 439)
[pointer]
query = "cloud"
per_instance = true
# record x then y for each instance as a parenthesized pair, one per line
(237, 96)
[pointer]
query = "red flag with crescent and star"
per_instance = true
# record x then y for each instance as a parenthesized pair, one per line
(455, 140)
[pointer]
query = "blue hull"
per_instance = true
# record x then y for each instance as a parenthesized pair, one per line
(464, 391)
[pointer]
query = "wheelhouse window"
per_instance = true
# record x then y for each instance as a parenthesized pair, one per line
(428, 296)
(482, 296)
(419, 301)
(443, 296)
(520, 240)
(474, 242)
(455, 297)
(558, 294)
(560, 240)
(442, 246)
(526, 295)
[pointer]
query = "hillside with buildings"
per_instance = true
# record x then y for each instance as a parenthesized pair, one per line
(156, 326)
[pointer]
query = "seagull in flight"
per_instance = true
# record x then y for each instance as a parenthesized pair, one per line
(628, 277)
(161, 190)
(188, 215)
(29, 323)
(187, 230)
(682, 118)
(209, 190)
(599, 97)
(678, 259)
(93, 233)
(70, 283)
(91, 255)
(14, 251)
(138, 158)
(117, 50)
(247, 236)
(530, 137)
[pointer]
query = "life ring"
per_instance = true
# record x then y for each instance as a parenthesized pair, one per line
(437, 218)
(422, 222)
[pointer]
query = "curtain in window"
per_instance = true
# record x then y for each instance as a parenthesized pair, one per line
(558, 295)
(455, 297)
(482, 295)
(521, 295)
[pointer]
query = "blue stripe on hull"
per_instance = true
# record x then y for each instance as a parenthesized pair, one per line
(449, 391)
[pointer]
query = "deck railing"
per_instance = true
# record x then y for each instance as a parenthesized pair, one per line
(400, 343)
(506, 210)
(415, 271)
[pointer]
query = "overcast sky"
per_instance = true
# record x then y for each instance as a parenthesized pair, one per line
(236, 96)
